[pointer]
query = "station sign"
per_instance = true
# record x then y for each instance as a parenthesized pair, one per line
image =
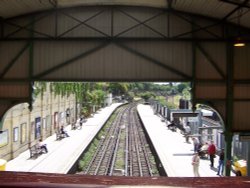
(244, 137)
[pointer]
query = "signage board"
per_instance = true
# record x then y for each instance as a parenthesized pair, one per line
(244, 138)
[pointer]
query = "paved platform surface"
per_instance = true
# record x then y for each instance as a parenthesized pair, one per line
(63, 153)
(171, 147)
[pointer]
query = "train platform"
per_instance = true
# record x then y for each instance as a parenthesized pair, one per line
(171, 147)
(174, 153)
(62, 154)
(48, 170)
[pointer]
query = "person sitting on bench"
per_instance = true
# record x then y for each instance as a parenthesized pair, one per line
(172, 126)
(42, 145)
(63, 131)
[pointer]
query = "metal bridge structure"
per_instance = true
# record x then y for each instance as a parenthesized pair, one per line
(124, 41)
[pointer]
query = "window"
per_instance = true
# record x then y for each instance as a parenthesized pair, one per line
(37, 127)
(15, 134)
(23, 132)
(4, 138)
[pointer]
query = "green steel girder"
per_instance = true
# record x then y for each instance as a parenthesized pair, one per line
(83, 23)
(193, 82)
(229, 108)
(222, 23)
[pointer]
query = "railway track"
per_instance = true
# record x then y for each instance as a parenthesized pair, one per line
(122, 149)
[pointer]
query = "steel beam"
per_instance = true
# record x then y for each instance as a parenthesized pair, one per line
(229, 109)
(84, 23)
(143, 23)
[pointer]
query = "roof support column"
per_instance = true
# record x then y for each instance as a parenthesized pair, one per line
(31, 83)
(229, 109)
(1, 28)
(31, 58)
(193, 82)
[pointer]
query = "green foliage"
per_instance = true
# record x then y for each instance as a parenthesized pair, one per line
(181, 87)
(89, 94)
(98, 96)
(172, 104)
(118, 89)
(130, 96)
(146, 96)
(186, 94)
(161, 100)
(39, 88)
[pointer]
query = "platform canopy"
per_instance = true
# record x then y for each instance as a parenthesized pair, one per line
(128, 41)
(218, 9)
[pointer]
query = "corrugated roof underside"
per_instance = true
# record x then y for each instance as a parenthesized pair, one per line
(212, 8)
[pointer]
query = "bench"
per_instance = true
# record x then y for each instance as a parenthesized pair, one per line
(35, 151)
(83, 120)
(74, 126)
(60, 135)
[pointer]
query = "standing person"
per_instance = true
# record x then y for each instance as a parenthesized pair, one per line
(196, 163)
(196, 144)
(221, 163)
(211, 152)
(42, 145)
(187, 132)
(81, 121)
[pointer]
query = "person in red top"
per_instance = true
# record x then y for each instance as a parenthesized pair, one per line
(211, 152)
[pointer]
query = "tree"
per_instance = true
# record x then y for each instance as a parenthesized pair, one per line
(147, 95)
(186, 94)
(118, 89)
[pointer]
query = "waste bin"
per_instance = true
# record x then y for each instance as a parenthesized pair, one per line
(2, 164)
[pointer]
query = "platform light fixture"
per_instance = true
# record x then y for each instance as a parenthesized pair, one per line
(239, 42)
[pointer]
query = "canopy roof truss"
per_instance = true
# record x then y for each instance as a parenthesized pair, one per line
(127, 43)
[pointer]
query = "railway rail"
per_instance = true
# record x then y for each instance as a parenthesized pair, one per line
(123, 149)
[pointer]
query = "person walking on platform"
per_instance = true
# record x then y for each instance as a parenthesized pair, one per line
(211, 152)
(196, 163)
(221, 163)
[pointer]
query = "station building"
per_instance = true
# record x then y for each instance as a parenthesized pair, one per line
(22, 128)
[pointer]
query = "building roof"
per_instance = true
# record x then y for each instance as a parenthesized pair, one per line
(224, 10)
